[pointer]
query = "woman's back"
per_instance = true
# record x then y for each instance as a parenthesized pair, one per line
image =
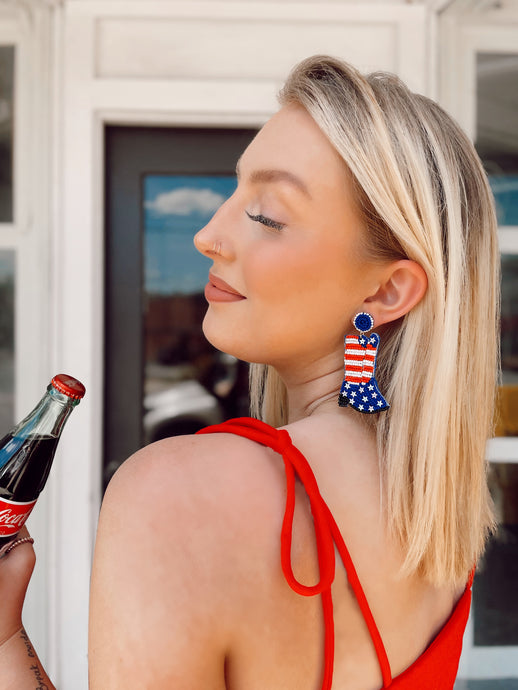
(227, 500)
(408, 612)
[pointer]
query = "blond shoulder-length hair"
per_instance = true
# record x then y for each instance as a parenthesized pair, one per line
(424, 195)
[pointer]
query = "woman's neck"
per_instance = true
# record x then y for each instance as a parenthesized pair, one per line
(313, 390)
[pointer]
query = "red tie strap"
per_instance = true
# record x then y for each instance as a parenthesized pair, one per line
(327, 535)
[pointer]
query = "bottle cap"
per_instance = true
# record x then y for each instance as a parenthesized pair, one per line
(68, 385)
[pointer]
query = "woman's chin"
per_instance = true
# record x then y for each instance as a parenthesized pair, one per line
(222, 339)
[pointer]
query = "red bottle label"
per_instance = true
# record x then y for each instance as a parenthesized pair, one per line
(13, 516)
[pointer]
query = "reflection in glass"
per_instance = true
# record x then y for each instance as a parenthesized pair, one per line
(507, 418)
(497, 129)
(6, 340)
(188, 384)
(495, 604)
(6, 133)
(497, 144)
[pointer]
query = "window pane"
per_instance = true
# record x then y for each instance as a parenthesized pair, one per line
(495, 603)
(6, 133)
(6, 340)
(507, 418)
(497, 144)
(188, 384)
(497, 129)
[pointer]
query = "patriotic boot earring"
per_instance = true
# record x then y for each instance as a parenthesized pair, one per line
(360, 388)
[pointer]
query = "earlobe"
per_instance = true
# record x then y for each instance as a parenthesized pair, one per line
(403, 285)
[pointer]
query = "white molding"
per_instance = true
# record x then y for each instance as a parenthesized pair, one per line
(508, 239)
(159, 118)
(503, 449)
(206, 9)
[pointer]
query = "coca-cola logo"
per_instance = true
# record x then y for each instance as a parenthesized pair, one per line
(7, 517)
(13, 516)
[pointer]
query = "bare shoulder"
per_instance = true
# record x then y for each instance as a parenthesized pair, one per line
(195, 474)
(172, 553)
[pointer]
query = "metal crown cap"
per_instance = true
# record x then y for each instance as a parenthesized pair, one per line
(69, 386)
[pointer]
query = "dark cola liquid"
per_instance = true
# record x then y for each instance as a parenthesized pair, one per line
(24, 468)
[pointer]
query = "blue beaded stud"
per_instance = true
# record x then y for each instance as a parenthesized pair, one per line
(363, 321)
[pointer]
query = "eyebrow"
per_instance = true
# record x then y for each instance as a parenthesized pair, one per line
(266, 176)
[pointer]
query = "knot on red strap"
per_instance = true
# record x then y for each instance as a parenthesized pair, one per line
(282, 441)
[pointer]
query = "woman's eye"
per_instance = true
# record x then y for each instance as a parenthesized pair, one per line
(266, 221)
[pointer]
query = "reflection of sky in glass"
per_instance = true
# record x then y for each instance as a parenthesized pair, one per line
(175, 208)
(505, 189)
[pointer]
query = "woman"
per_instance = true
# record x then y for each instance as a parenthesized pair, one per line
(357, 197)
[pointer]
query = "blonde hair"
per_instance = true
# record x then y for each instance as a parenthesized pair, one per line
(424, 195)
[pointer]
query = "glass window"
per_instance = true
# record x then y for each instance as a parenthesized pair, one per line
(162, 377)
(507, 419)
(497, 129)
(6, 133)
(187, 383)
(6, 340)
(495, 601)
(495, 605)
(497, 144)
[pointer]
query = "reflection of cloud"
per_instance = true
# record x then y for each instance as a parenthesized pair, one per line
(186, 200)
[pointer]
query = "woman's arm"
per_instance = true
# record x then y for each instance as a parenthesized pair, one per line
(175, 560)
(20, 668)
(161, 598)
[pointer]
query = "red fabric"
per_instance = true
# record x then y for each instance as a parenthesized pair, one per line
(436, 668)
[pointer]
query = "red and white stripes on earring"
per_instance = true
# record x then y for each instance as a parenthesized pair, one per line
(360, 388)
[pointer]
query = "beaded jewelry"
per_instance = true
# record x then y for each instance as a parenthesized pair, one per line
(360, 388)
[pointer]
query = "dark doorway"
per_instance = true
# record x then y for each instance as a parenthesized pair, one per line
(161, 376)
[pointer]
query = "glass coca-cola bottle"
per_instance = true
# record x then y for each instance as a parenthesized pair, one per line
(27, 452)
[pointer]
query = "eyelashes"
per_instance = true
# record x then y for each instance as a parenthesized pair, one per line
(268, 222)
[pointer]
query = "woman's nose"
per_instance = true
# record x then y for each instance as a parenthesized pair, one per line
(212, 240)
(203, 240)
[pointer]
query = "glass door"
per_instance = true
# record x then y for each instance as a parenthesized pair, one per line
(161, 376)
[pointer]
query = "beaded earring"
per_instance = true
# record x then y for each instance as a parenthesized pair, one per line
(360, 388)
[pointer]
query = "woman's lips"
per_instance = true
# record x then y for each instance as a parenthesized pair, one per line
(217, 290)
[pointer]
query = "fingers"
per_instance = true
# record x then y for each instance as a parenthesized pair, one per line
(24, 532)
(16, 567)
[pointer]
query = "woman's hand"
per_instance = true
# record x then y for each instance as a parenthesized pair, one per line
(15, 573)
(20, 668)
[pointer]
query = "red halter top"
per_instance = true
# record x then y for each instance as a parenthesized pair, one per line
(437, 666)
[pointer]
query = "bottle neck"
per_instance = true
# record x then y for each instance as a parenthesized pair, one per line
(48, 417)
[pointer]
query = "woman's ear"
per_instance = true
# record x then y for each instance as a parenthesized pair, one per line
(403, 284)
